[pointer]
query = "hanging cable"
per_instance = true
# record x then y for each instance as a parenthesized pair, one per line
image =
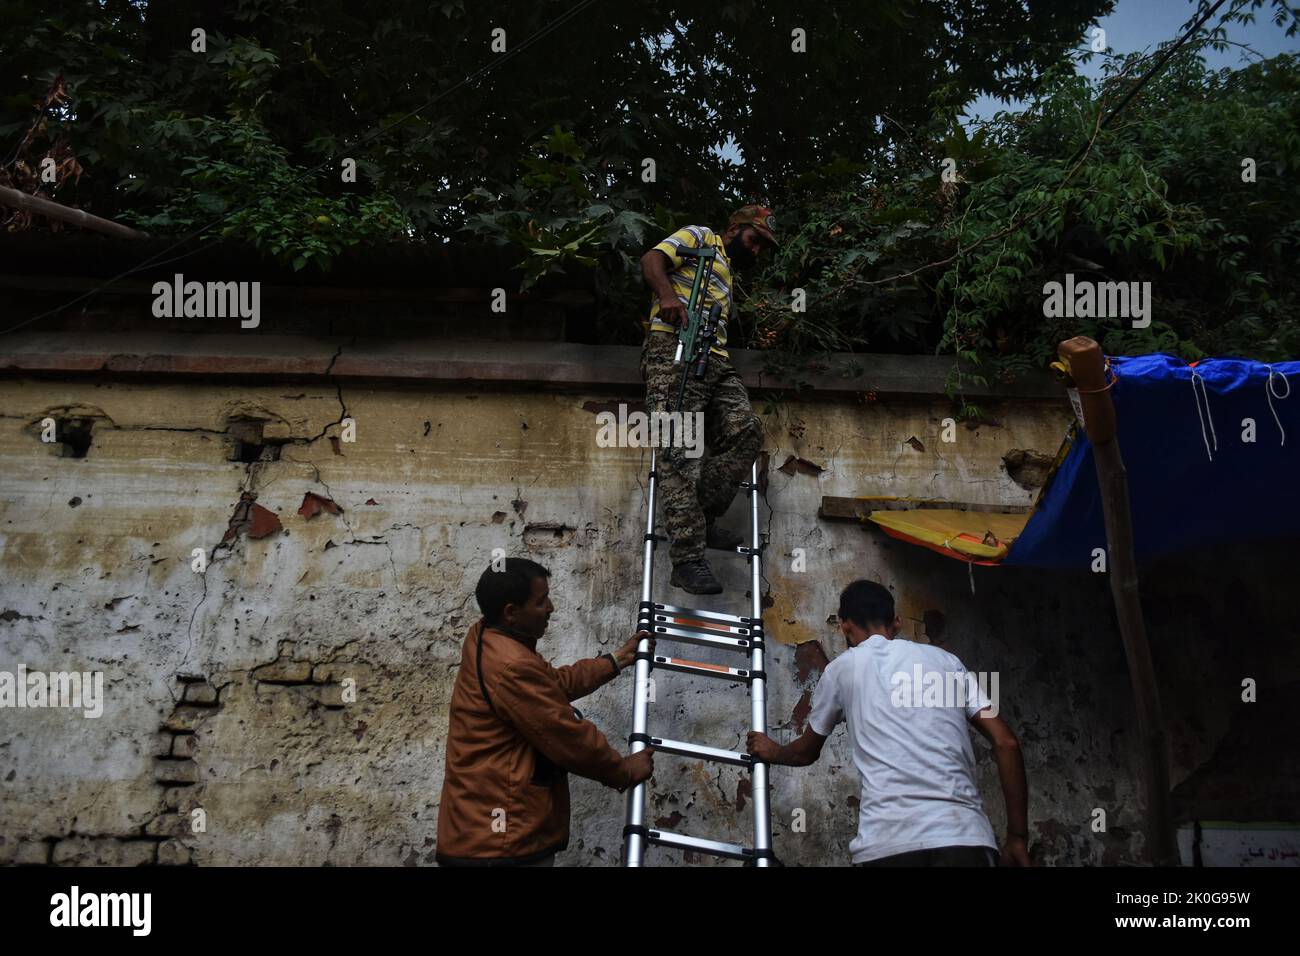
(1196, 377)
(1271, 393)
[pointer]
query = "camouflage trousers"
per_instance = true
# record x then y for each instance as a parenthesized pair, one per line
(700, 488)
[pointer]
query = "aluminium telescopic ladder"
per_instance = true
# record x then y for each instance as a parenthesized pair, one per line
(728, 633)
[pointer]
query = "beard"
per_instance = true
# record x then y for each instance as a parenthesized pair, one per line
(739, 256)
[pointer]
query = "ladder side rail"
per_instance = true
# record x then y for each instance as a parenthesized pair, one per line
(634, 843)
(758, 685)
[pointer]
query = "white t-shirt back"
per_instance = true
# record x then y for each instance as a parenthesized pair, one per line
(907, 706)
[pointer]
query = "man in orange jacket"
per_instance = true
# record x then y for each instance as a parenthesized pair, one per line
(513, 737)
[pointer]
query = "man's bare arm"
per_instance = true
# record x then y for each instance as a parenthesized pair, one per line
(1015, 789)
(800, 753)
(654, 269)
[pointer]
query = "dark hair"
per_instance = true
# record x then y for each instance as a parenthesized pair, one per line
(513, 585)
(866, 602)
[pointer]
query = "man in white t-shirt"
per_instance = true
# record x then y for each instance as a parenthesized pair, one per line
(907, 706)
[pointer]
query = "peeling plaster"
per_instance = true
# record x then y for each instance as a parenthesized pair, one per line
(384, 594)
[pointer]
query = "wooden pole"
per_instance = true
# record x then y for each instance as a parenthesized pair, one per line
(1085, 370)
(54, 210)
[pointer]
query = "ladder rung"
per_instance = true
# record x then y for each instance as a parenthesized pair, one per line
(683, 749)
(701, 669)
(677, 841)
(701, 624)
(702, 640)
(712, 617)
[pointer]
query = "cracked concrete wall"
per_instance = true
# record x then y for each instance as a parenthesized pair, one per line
(295, 691)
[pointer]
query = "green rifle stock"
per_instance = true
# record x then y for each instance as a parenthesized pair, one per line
(696, 336)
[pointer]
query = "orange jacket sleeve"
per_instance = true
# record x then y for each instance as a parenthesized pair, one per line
(527, 693)
(582, 677)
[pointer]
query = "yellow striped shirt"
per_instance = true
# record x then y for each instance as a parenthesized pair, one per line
(682, 277)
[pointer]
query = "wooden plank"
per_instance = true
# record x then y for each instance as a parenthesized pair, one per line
(837, 508)
(78, 217)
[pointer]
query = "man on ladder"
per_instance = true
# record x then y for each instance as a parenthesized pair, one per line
(697, 491)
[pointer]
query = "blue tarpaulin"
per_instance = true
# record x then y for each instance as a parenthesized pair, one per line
(1195, 478)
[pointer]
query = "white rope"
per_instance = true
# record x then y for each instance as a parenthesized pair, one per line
(1271, 393)
(1204, 415)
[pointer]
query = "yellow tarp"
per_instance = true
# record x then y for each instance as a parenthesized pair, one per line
(983, 535)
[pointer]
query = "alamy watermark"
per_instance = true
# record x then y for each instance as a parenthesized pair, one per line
(929, 688)
(1086, 299)
(639, 429)
(76, 689)
(75, 909)
(208, 300)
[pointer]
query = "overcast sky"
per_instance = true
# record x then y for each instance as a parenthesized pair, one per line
(1142, 25)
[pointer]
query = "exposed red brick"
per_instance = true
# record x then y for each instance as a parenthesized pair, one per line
(801, 466)
(809, 658)
(251, 519)
(313, 504)
(744, 790)
(371, 501)
(263, 522)
(670, 821)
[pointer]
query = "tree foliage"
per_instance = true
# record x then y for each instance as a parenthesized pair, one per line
(629, 81)
(911, 262)
(548, 149)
